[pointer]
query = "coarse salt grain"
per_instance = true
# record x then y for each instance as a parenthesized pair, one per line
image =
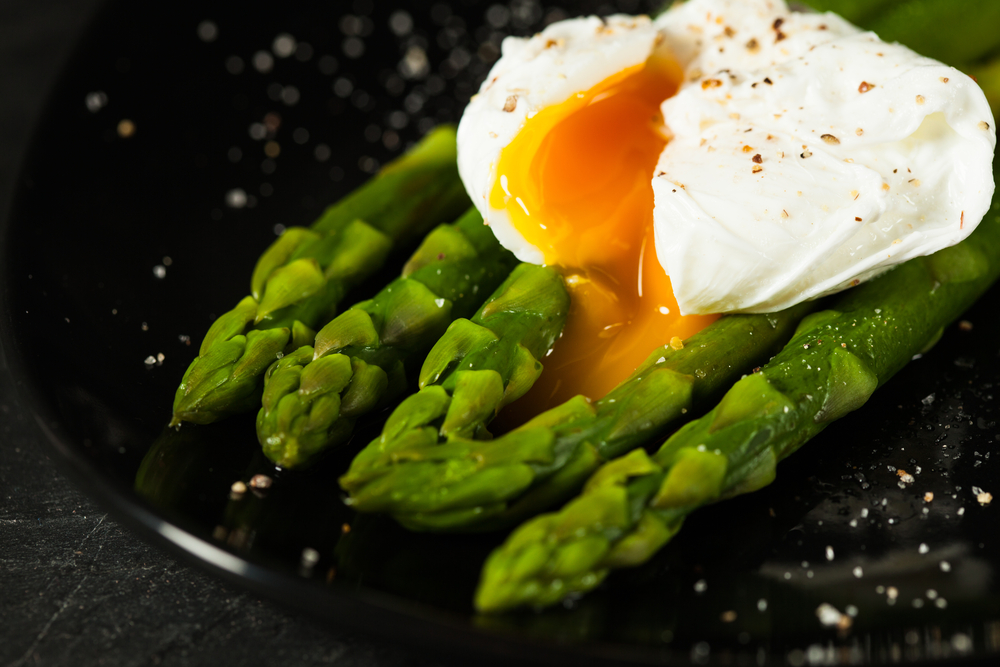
(831, 617)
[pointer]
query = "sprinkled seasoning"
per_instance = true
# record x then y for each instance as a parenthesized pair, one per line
(126, 128)
(260, 481)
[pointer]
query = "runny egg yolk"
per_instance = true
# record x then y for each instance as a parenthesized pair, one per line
(575, 182)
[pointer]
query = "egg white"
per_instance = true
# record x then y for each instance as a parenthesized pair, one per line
(862, 155)
(813, 216)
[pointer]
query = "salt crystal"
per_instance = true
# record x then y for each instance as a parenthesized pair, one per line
(236, 198)
(95, 101)
(208, 31)
(830, 617)
(284, 45)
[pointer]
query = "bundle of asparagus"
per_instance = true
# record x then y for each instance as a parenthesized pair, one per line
(465, 483)
(299, 281)
(476, 368)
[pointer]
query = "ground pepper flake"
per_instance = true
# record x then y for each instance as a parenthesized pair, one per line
(865, 87)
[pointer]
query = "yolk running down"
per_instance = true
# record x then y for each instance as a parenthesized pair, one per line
(576, 183)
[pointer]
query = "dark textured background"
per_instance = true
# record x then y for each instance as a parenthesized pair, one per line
(74, 585)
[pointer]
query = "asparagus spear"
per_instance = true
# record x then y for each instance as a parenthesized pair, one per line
(301, 278)
(476, 368)
(548, 459)
(859, 12)
(312, 397)
(956, 32)
(633, 505)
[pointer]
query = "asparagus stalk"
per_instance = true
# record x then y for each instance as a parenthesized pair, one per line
(313, 396)
(633, 505)
(490, 484)
(955, 32)
(301, 278)
(858, 12)
(476, 368)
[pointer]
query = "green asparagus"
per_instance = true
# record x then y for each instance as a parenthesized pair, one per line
(547, 459)
(837, 358)
(858, 12)
(301, 278)
(476, 368)
(312, 397)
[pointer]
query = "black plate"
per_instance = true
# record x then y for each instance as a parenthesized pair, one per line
(128, 237)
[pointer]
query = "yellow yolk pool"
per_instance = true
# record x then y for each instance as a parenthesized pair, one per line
(576, 184)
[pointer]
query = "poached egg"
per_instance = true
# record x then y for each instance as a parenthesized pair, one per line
(730, 156)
